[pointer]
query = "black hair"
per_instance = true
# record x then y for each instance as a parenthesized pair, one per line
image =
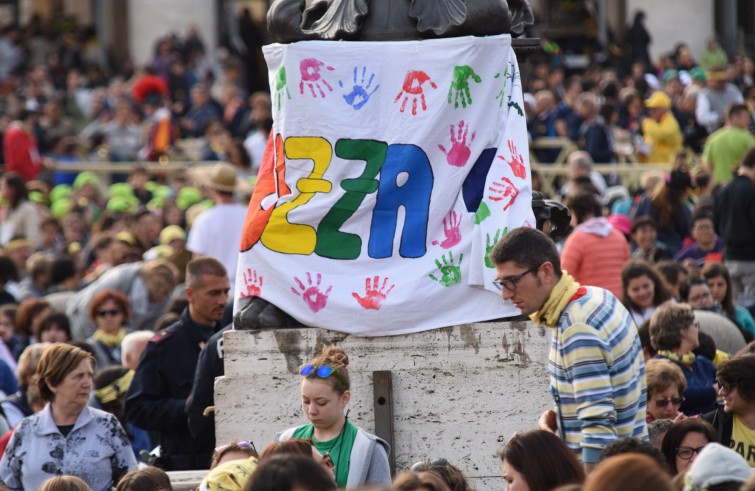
(634, 445)
(528, 248)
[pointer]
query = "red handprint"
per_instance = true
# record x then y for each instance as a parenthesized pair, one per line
(413, 83)
(505, 190)
(452, 231)
(516, 163)
(459, 154)
(311, 293)
(310, 73)
(253, 284)
(374, 293)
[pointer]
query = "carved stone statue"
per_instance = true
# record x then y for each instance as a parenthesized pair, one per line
(394, 20)
(378, 20)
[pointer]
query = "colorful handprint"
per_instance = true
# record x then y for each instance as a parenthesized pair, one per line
(281, 87)
(516, 163)
(311, 293)
(360, 93)
(459, 90)
(459, 154)
(374, 293)
(311, 76)
(504, 191)
(450, 272)
(413, 89)
(489, 244)
(452, 231)
(252, 283)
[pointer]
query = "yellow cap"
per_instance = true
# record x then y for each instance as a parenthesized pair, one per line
(658, 99)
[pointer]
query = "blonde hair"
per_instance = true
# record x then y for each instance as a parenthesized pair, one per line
(662, 374)
(160, 276)
(28, 362)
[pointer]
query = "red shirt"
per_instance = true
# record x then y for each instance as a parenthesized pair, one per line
(21, 154)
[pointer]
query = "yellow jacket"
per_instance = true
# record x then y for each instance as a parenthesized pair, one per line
(664, 138)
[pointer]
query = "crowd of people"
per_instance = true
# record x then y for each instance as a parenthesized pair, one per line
(114, 296)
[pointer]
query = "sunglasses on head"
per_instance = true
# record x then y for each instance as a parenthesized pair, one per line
(244, 444)
(108, 313)
(321, 371)
(427, 464)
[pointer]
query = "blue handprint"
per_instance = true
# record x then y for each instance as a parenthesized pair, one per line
(360, 93)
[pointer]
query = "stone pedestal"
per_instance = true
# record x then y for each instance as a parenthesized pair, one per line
(458, 392)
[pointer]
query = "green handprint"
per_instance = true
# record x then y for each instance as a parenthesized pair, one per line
(460, 84)
(490, 244)
(483, 212)
(450, 272)
(280, 84)
(501, 95)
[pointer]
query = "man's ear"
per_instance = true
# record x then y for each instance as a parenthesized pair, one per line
(548, 272)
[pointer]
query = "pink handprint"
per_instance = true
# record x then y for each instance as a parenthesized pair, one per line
(253, 284)
(413, 83)
(451, 224)
(311, 293)
(516, 163)
(459, 154)
(374, 293)
(505, 190)
(310, 74)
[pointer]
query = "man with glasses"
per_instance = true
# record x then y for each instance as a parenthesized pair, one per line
(596, 368)
(735, 417)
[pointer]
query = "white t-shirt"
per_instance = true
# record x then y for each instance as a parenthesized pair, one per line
(217, 233)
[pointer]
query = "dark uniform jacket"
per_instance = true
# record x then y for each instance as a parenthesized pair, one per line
(158, 393)
(202, 396)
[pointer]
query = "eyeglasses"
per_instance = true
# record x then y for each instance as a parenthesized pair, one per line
(686, 453)
(244, 444)
(676, 401)
(327, 461)
(426, 464)
(321, 371)
(108, 313)
(700, 297)
(510, 283)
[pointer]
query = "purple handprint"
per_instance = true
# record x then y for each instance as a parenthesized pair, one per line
(311, 293)
(310, 74)
(459, 154)
(452, 231)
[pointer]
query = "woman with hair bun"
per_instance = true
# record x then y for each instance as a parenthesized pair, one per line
(359, 457)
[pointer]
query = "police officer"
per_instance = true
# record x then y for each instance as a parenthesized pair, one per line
(164, 377)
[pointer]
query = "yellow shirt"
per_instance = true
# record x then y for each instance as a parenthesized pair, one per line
(743, 441)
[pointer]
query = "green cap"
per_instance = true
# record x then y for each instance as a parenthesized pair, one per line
(121, 204)
(698, 73)
(60, 208)
(84, 178)
(121, 189)
(188, 196)
(60, 192)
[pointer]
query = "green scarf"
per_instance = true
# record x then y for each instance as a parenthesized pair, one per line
(339, 448)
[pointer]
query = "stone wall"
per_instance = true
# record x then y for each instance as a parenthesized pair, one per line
(458, 392)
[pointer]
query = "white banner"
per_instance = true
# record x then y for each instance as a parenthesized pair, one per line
(393, 168)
